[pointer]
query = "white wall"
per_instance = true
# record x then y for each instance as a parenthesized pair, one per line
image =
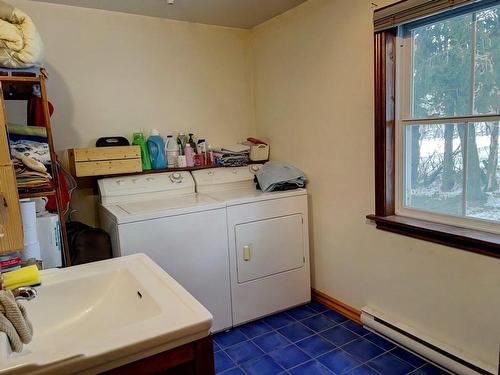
(314, 103)
(112, 73)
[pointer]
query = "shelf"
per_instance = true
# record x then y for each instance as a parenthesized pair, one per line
(20, 79)
(186, 169)
(166, 170)
(91, 181)
(37, 194)
(18, 87)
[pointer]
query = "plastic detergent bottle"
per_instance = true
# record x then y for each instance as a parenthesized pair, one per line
(141, 142)
(156, 149)
(172, 151)
(188, 151)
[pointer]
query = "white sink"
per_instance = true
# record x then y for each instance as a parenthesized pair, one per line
(97, 316)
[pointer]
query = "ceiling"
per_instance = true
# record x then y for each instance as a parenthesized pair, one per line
(233, 13)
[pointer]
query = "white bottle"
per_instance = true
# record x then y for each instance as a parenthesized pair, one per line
(172, 151)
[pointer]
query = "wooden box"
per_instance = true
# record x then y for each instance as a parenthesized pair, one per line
(100, 161)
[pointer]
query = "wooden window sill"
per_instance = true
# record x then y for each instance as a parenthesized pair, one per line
(462, 238)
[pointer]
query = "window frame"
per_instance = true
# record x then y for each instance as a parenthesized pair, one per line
(467, 234)
(404, 118)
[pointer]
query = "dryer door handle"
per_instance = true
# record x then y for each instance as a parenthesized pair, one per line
(247, 253)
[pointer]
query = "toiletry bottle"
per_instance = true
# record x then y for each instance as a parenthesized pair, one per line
(202, 146)
(191, 143)
(141, 142)
(156, 148)
(172, 151)
(188, 152)
(180, 147)
(210, 156)
(184, 140)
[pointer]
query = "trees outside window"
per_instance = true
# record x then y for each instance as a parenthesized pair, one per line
(450, 136)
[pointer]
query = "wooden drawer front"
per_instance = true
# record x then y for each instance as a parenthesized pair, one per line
(105, 153)
(107, 167)
(10, 215)
(99, 161)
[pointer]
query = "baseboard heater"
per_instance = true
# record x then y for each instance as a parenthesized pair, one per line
(442, 355)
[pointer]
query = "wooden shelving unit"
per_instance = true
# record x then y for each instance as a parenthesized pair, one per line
(19, 86)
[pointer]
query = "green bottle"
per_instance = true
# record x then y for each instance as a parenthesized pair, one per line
(141, 142)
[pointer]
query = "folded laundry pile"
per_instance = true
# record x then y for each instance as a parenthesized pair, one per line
(233, 156)
(31, 180)
(278, 176)
(14, 321)
(38, 151)
(20, 133)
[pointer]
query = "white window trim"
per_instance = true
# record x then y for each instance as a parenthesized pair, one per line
(403, 118)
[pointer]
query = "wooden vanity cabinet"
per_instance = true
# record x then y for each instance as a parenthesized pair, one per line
(194, 358)
(11, 227)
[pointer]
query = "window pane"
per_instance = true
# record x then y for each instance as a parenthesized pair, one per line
(487, 62)
(483, 172)
(442, 57)
(434, 168)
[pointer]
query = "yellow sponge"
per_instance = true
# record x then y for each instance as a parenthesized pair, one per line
(25, 276)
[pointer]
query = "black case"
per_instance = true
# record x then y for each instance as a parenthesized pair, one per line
(87, 244)
(112, 141)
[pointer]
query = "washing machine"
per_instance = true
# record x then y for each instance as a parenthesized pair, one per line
(185, 233)
(268, 242)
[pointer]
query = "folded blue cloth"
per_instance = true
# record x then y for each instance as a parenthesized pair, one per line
(275, 174)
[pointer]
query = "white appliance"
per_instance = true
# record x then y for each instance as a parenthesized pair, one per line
(184, 232)
(49, 236)
(268, 242)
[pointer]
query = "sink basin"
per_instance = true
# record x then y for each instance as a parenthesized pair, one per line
(98, 316)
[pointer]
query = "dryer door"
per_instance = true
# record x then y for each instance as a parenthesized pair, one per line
(268, 247)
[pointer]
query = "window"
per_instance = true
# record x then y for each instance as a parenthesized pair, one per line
(449, 101)
(437, 99)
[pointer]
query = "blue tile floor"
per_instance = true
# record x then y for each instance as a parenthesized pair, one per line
(312, 339)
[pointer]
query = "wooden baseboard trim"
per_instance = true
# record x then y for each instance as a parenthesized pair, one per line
(342, 308)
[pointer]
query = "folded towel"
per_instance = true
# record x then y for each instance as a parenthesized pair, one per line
(26, 276)
(14, 321)
(275, 175)
(237, 148)
(228, 158)
(234, 160)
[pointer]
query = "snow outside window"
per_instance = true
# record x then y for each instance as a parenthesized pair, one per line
(449, 117)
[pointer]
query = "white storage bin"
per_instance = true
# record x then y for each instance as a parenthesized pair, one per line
(259, 152)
